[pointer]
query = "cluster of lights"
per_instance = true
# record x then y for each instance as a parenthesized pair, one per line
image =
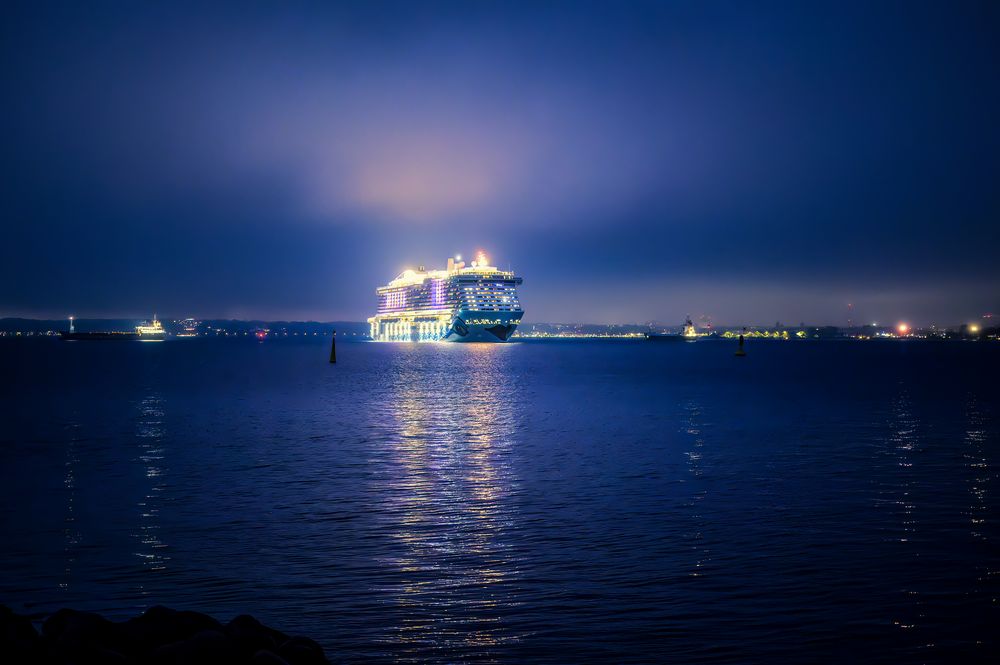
(569, 334)
(437, 292)
(408, 327)
(491, 296)
(768, 334)
(395, 299)
(481, 261)
(492, 322)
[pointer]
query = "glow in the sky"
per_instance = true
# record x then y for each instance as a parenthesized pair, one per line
(632, 161)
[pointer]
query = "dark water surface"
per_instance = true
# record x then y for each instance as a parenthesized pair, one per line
(547, 502)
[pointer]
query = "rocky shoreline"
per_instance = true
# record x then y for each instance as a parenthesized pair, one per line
(160, 636)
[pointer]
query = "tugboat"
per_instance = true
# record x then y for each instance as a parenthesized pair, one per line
(690, 334)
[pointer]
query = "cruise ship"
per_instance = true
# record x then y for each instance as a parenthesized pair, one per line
(475, 303)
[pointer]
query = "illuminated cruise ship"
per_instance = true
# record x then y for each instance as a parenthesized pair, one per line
(476, 303)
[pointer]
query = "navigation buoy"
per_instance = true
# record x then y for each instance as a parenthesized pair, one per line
(333, 347)
(740, 352)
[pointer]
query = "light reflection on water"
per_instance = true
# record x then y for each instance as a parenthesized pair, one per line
(903, 440)
(451, 437)
(693, 428)
(71, 531)
(977, 460)
(553, 503)
(150, 438)
(978, 456)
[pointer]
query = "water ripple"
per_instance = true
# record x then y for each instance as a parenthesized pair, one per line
(565, 502)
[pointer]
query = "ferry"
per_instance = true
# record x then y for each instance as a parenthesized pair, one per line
(151, 332)
(145, 332)
(474, 303)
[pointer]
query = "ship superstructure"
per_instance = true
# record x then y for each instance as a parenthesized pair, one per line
(475, 303)
(152, 331)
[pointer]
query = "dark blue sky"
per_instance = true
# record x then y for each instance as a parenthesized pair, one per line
(633, 161)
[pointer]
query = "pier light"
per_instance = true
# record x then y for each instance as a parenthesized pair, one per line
(903, 329)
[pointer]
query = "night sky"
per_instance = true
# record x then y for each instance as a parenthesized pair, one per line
(632, 161)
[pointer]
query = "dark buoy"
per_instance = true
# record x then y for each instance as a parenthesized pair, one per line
(333, 346)
(739, 352)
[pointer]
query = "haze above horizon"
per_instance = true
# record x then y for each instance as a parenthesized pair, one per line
(805, 162)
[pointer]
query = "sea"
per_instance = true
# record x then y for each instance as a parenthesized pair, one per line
(554, 501)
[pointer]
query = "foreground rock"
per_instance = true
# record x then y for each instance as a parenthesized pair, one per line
(161, 636)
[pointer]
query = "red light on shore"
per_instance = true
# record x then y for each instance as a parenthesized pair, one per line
(903, 329)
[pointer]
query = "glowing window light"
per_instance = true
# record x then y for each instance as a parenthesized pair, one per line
(395, 299)
(437, 292)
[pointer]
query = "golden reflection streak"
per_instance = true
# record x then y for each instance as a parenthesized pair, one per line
(71, 531)
(693, 426)
(151, 435)
(453, 446)
(978, 463)
(903, 441)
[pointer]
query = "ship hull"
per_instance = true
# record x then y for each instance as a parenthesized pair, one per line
(667, 337)
(98, 336)
(463, 326)
(491, 327)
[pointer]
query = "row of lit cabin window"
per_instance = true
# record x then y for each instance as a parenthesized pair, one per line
(405, 331)
(496, 296)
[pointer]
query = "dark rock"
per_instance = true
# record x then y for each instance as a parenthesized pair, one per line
(279, 637)
(73, 636)
(302, 651)
(160, 625)
(209, 647)
(161, 636)
(264, 657)
(104, 657)
(250, 635)
(19, 641)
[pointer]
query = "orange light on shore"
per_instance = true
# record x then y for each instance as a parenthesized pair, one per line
(903, 329)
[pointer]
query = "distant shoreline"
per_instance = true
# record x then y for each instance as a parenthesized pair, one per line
(347, 330)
